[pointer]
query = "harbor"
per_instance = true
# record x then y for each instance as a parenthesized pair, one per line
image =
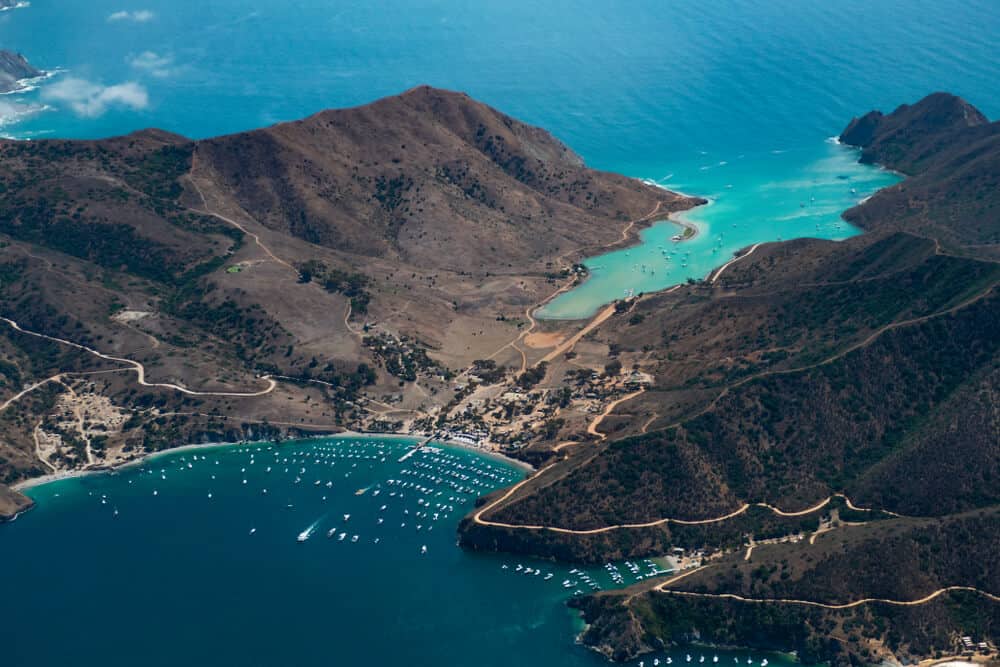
(303, 527)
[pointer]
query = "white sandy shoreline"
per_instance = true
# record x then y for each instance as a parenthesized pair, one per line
(146, 458)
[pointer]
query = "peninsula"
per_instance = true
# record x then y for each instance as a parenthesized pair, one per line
(13, 69)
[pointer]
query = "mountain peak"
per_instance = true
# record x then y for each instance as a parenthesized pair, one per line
(903, 139)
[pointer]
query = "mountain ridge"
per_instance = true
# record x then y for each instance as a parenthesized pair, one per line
(296, 251)
(810, 368)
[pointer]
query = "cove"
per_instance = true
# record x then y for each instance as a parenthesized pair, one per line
(194, 557)
(775, 196)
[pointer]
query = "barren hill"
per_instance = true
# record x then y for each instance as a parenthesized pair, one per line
(427, 177)
(361, 257)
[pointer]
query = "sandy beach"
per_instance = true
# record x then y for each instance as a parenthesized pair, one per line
(26, 484)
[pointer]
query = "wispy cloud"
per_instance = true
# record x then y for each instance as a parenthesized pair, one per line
(12, 112)
(137, 16)
(90, 99)
(153, 63)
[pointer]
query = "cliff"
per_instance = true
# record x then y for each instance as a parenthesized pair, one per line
(951, 152)
(12, 503)
(912, 134)
(13, 68)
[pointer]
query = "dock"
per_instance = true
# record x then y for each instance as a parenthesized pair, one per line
(412, 450)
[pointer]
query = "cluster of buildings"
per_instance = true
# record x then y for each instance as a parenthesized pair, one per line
(971, 647)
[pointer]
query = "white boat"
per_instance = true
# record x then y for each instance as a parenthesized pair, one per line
(253, 530)
(307, 533)
(423, 549)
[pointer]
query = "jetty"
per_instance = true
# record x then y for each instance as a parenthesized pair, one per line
(412, 450)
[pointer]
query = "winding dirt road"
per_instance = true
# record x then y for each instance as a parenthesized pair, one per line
(139, 369)
(477, 517)
(595, 322)
(208, 211)
(718, 272)
(826, 605)
(592, 427)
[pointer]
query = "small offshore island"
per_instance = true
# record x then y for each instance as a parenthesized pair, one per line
(808, 431)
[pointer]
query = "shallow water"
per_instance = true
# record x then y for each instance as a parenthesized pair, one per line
(186, 559)
(804, 194)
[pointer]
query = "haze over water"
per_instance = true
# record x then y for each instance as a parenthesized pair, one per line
(692, 95)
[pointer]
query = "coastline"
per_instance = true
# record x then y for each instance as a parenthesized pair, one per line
(688, 225)
(690, 230)
(27, 484)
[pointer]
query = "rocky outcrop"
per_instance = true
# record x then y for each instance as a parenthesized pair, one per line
(912, 134)
(613, 629)
(13, 68)
(951, 153)
(12, 503)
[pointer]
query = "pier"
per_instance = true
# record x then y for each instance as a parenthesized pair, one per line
(412, 450)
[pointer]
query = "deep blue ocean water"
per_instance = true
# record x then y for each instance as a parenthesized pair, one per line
(195, 558)
(695, 96)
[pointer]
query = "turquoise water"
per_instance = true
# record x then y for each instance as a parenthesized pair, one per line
(193, 558)
(739, 93)
(692, 95)
(803, 194)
